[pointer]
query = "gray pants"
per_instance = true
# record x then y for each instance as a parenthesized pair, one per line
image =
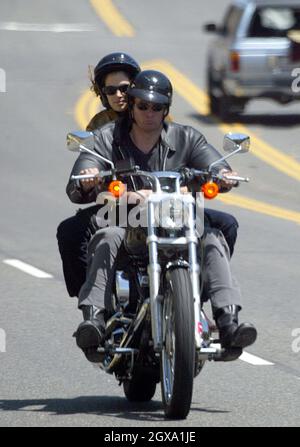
(102, 253)
(219, 285)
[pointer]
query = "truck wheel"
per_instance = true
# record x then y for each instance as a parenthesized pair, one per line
(230, 108)
(214, 101)
(214, 104)
(225, 109)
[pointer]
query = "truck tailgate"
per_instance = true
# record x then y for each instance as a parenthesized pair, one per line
(265, 60)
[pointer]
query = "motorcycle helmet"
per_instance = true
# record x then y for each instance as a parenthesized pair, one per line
(110, 63)
(151, 86)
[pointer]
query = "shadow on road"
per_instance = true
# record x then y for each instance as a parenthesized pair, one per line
(268, 120)
(96, 405)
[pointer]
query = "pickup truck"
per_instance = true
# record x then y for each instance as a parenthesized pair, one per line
(255, 54)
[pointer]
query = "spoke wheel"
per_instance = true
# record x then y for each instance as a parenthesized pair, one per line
(178, 354)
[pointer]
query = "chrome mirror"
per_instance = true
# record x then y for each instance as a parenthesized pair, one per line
(80, 138)
(80, 141)
(236, 142)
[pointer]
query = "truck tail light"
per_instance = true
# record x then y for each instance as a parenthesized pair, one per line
(234, 61)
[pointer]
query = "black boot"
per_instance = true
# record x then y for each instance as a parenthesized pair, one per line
(90, 333)
(233, 335)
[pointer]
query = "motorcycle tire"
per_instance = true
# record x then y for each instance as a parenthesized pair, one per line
(178, 353)
(139, 389)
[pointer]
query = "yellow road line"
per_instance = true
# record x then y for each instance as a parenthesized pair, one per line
(108, 12)
(81, 116)
(94, 106)
(259, 207)
(199, 101)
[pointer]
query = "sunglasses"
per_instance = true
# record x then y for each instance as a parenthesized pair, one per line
(145, 106)
(111, 90)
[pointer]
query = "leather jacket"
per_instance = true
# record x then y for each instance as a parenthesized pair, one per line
(180, 146)
(102, 118)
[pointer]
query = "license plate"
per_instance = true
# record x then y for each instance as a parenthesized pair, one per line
(277, 62)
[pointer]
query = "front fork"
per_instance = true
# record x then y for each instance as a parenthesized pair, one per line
(194, 269)
(154, 273)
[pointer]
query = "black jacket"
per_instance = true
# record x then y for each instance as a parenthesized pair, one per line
(181, 146)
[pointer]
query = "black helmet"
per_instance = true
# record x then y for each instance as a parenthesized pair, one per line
(113, 62)
(151, 86)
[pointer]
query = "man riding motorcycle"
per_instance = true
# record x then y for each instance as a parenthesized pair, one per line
(73, 234)
(154, 144)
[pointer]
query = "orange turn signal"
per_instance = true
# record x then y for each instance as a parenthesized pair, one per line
(210, 190)
(116, 188)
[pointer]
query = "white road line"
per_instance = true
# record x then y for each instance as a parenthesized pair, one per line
(253, 360)
(27, 268)
(48, 27)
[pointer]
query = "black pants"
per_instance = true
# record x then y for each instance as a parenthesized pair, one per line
(223, 222)
(74, 234)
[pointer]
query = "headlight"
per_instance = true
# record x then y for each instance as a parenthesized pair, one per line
(171, 214)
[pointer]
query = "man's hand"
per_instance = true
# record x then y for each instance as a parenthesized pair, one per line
(89, 183)
(227, 183)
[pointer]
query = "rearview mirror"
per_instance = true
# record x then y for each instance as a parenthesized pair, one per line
(78, 138)
(80, 141)
(236, 142)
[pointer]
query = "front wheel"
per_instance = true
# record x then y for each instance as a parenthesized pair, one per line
(178, 353)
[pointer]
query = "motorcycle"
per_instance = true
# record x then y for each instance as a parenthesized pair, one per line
(159, 331)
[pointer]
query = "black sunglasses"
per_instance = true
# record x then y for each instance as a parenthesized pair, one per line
(112, 89)
(146, 106)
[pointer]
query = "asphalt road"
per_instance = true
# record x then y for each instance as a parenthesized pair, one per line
(45, 380)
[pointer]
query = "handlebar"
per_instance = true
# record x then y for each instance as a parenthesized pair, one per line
(184, 176)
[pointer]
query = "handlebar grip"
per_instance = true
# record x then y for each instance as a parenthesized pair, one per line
(83, 176)
(237, 178)
(101, 175)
